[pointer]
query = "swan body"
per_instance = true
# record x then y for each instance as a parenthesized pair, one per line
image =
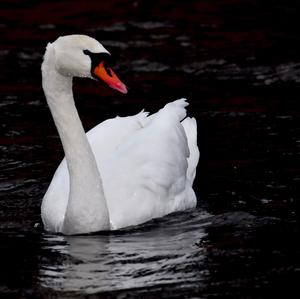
(126, 170)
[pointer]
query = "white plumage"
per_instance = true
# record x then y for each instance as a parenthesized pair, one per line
(147, 165)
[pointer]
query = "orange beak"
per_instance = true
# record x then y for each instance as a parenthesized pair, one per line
(109, 77)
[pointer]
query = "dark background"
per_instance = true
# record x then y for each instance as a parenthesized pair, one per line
(237, 62)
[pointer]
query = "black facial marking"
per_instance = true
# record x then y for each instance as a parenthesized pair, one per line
(97, 58)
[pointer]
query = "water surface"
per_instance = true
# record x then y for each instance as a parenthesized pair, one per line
(238, 64)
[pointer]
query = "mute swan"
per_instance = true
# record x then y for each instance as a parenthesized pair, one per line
(126, 170)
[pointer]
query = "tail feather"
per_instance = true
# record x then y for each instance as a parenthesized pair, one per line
(190, 127)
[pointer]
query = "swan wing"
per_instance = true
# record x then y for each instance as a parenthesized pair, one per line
(146, 177)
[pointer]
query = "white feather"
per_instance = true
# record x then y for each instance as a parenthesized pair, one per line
(127, 171)
(147, 170)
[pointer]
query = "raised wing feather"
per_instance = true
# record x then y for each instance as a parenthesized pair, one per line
(146, 176)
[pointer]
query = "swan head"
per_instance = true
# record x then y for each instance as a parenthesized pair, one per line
(83, 56)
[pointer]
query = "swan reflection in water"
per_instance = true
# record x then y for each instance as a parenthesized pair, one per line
(153, 254)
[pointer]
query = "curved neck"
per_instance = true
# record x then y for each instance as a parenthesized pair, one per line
(87, 209)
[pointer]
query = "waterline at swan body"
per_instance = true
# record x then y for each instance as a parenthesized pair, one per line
(126, 170)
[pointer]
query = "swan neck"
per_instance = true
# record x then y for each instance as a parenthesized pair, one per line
(86, 209)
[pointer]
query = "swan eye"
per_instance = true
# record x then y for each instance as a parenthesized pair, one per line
(97, 58)
(87, 52)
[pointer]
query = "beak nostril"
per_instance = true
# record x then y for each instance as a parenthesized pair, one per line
(108, 70)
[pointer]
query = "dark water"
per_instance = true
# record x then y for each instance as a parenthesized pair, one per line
(238, 63)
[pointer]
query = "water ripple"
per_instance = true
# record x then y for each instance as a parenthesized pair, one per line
(150, 25)
(143, 65)
(257, 75)
(162, 252)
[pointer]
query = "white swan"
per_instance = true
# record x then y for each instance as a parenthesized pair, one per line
(126, 170)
